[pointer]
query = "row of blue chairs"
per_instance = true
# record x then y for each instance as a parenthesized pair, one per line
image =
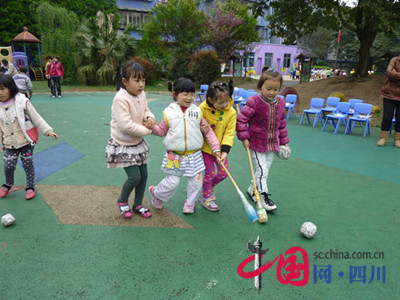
(337, 112)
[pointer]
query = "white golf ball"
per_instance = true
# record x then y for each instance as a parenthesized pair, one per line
(308, 229)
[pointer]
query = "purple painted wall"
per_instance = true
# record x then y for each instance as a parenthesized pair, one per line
(278, 53)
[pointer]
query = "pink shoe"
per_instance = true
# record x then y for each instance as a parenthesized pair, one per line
(125, 210)
(188, 209)
(4, 190)
(210, 204)
(157, 203)
(144, 212)
(30, 194)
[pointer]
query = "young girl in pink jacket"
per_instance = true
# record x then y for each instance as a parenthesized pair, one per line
(131, 121)
(261, 126)
(183, 126)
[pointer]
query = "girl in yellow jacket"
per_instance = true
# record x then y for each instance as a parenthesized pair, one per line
(218, 111)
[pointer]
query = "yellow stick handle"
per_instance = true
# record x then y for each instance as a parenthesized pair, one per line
(238, 108)
(230, 176)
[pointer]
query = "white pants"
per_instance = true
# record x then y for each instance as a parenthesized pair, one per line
(166, 189)
(262, 162)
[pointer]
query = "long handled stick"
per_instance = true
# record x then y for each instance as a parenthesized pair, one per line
(250, 211)
(261, 212)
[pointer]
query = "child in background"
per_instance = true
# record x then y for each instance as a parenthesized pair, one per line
(261, 126)
(17, 135)
(48, 63)
(56, 72)
(182, 126)
(131, 121)
(218, 111)
(9, 67)
(23, 82)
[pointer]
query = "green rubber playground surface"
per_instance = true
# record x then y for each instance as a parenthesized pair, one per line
(71, 243)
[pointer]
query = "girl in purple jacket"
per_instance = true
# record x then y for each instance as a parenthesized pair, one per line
(261, 126)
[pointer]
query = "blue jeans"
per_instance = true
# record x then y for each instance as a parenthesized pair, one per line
(55, 83)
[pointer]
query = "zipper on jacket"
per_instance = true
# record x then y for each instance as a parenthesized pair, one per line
(184, 126)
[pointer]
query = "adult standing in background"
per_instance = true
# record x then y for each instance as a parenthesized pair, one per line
(56, 73)
(391, 102)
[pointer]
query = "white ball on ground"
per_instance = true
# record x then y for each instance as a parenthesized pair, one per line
(308, 229)
(284, 152)
(7, 220)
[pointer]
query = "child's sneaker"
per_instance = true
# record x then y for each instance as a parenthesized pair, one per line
(157, 203)
(210, 204)
(267, 203)
(188, 209)
(250, 192)
(125, 210)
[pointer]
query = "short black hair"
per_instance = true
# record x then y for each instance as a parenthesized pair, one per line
(48, 57)
(23, 69)
(218, 87)
(131, 69)
(8, 82)
(5, 62)
(183, 85)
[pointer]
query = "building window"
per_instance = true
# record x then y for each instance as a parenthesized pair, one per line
(250, 57)
(139, 19)
(268, 59)
(262, 33)
(286, 60)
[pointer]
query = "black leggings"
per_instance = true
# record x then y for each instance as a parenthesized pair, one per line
(389, 106)
(10, 163)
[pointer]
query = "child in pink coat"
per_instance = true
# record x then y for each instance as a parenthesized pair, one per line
(261, 126)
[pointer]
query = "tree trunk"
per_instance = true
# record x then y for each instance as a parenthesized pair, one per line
(366, 34)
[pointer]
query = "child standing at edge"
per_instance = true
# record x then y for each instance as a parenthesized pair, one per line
(218, 111)
(131, 121)
(17, 114)
(261, 126)
(56, 72)
(182, 126)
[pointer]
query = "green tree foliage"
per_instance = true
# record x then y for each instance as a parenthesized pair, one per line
(57, 26)
(101, 50)
(178, 23)
(319, 42)
(229, 27)
(89, 8)
(172, 34)
(205, 67)
(14, 16)
(294, 18)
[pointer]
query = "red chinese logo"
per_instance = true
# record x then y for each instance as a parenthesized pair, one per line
(288, 271)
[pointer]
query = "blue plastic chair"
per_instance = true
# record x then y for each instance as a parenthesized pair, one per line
(202, 93)
(339, 115)
(353, 102)
(362, 114)
(331, 105)
(315, 109)
(250, 93)
(289, 105)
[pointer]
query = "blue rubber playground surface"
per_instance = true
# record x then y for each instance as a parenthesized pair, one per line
(71, 243)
